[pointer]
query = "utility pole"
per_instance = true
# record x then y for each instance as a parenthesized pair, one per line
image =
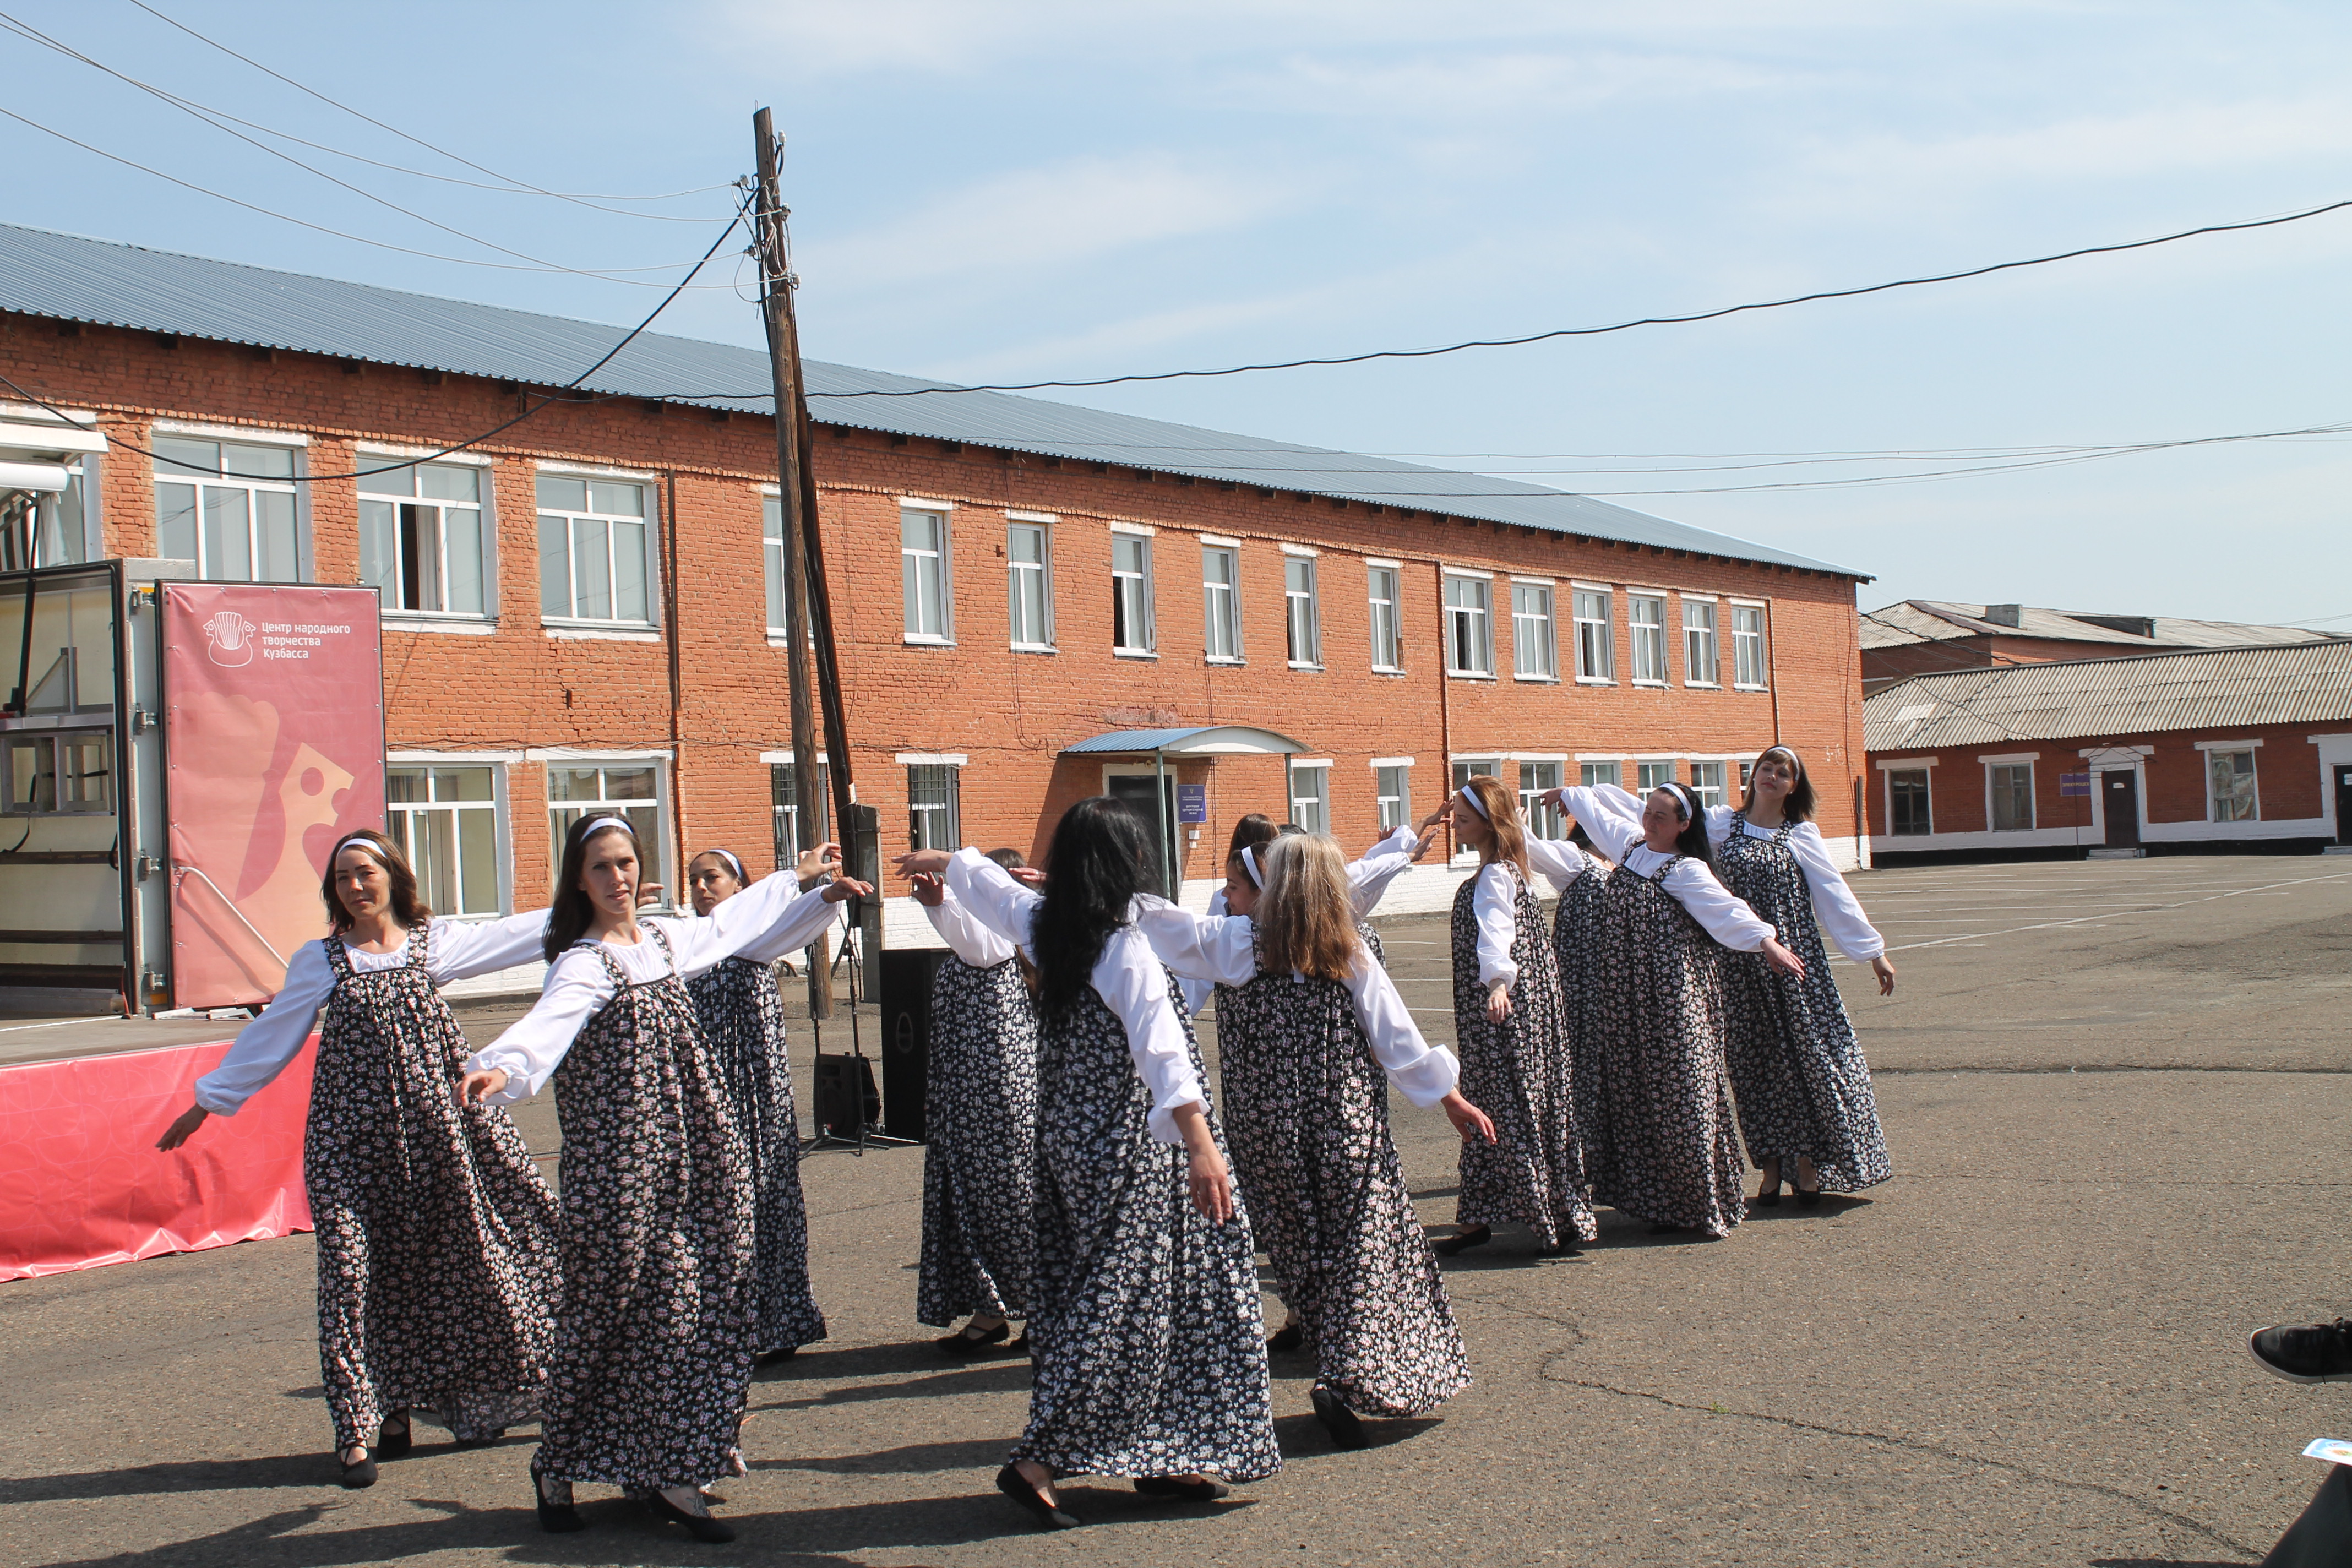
(798, 497)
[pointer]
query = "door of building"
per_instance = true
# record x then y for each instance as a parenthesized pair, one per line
(1158, 811)
(2120, 793)
(2343, 804)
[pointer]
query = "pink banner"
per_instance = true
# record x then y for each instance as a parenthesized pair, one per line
(273, 745)
(82, 1183)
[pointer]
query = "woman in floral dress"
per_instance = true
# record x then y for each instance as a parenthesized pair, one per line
(437, 1281)
(1145, 1334)
(654, 1346)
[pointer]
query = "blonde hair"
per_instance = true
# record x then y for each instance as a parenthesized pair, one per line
(1501, 814)
(1306, 921)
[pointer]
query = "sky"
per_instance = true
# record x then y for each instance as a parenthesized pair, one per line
(1047, 189)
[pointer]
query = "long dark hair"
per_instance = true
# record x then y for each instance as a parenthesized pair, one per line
(1691, 843)
(1799, 807)
(1255, 831)
(1098, 865)
(572, 914)
(406, 908)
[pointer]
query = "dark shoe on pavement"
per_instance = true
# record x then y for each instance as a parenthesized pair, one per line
(964, 1343)
(1462, 1241)
(1289, 1337)
(1193, 1490)
(1015, 1485)
(359, 1475)
(557, 1515)
(394, 1438)
(1347, 1432)
(701, 1526)
(2320, 1354)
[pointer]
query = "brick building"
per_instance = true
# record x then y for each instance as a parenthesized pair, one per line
(2231, 749)
(1927, 636)
(583, 609)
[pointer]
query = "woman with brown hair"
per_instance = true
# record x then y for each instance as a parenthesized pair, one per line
(654, 1345)
(1511, 1027)
(438, 1283)
(1312, 1033)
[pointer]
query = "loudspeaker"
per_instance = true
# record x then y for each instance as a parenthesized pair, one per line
(843, 1083)
(906, 999)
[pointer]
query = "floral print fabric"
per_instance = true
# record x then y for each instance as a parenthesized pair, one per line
(1802, 1085)
(742, 1020)
(979, 1247)
(437, 1279)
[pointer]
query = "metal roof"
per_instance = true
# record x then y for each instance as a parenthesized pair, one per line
(1932, 620)
(2219, 688)
(1205, 740)
(71, 277)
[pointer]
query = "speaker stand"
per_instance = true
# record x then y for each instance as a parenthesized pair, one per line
(868, 1132)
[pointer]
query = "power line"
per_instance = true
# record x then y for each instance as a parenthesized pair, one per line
(1619, 326)
(545, 400)
(511, 182)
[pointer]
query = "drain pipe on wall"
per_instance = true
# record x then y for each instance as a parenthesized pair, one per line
(1445, 706)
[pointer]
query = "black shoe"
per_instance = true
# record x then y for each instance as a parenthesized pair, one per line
(1806, 1200)
(1769, 1197)
(1289, 1337)
(392, 1442)
(2320, 1354)
(1016, 1485)
(359, 1475)
(1021, 1345)
(1567, 1246)
(701, 1526)
(1462, 1241)
(556, 1518)
(770, 1358)
(1347, 1432)
(1190, 1491)
(964, 1343)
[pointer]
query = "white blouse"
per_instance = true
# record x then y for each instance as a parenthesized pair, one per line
(772, 913)
(1224, 948)
(968, 940)
(1129, 977)
(1724, 913)
(453, 950)
(1367, 880)
(1495, 905)
(1834, 904)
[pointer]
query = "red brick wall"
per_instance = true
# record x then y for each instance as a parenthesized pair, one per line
(1010, 713)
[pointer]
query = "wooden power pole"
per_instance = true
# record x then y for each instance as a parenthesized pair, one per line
(808, 608)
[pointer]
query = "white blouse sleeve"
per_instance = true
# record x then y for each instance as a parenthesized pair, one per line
(1493, 903)
(1199, 947)
(774, 918)
(1724, 913)
(1425, 1074)
(1557, 861)
(459, 949)
(534, 1046)
(1833, 902)
(1131, 983)
(1198, 992)
(1721, 824)
(992, 895)
(968, 940)
(1368, 877)
(1604, 820)
(264, 1046)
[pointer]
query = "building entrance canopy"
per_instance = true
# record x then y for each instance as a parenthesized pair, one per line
(1204, 741)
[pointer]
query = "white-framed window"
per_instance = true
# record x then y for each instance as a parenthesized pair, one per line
(1593, 774)
(445, 820)
(1699, 653)
(595, 550)
(1537, 779)
(1596, 644)
(1654, 774)
(923, 574)
(1220, 602)
(785, 805)
(230, 508)
(1909, 812)
(1468, 768)
(1130, 594)
(1302, 619)
(1747, 661)
(2231, 782)
(1707, 782)
(1645, 629)
(1534, 648)
(1029, 585)
(1392, 791)
(2009, 796)
(1469, 626)
(772, 560)
(1388, 640)
(934, 809)
(423, 538)
(1310, 796)
(631, 789)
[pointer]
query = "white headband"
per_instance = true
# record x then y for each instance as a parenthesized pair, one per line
(1464, 793)
(1249, 860)
(602, 823)
(729, 856)
(375, 849)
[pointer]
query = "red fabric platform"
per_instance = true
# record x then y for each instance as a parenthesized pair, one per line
(82, 1183)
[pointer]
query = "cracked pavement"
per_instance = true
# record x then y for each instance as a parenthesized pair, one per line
(2113, 1096)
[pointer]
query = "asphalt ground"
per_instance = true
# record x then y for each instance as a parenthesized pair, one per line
(2111, 1092)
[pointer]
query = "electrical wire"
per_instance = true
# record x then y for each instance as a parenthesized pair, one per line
(585, 198)
(545, 400)
(1619, 326)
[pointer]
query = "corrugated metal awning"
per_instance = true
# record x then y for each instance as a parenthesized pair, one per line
(1206, 740)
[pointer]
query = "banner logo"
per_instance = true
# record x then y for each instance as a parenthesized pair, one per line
(230, 639)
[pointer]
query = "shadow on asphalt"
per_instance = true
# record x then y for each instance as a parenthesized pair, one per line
(1303, 1438)
(183, 1476)
(989, 1377)
(980, 1454)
